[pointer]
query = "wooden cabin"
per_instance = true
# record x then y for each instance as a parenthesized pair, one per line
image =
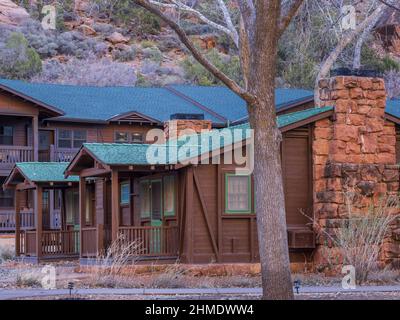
(44, 122)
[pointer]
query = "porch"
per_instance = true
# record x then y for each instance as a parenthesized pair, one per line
(7, 220)
(52, 232)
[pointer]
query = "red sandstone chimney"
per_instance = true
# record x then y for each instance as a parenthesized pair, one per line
(181, 122)
(359, 133)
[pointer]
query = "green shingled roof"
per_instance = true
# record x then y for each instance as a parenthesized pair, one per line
(136, 154)
(45, 171)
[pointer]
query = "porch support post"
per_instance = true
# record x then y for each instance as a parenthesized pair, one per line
(17, 224)
(82, 209)
(188, 214)
(39, 220)
(35, 133)
(114, 204)
(100, 190)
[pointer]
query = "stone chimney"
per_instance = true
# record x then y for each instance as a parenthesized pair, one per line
(175, 127)
(354, 151)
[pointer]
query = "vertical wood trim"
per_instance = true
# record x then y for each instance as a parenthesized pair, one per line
(182, 212)
(219, 211)
(39, 219)
(17, 224)
(51, 207)
(189, 213)
(63, 210)
(82, 207)
(35, 133)
(205, 214)
(114, 204)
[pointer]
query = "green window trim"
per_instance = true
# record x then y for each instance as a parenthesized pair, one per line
(145, 184)
(249, 196)
(125, 193)
(171, 179)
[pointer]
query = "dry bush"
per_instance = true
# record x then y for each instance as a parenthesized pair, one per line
(119, 255)
(7, 253)
(173, 276)
(360, 235)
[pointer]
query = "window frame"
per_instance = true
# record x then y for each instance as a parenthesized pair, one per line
(11, 136)
(72, 139)
(129, 137)
(249, 194)
(173, 212)
(128, 201)
(12, 197)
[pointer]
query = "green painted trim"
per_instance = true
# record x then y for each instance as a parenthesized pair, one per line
(128, 201)
(227, 175)
(170, 213)
(145, 214)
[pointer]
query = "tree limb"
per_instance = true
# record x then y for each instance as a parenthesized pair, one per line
(229, 30)
(231, 84)
(285, 20)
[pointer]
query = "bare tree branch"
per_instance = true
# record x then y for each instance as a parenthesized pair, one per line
(231, 84)
(248, 15)
(390, 5)
(288, 16)
(230, 30)
(346, 39)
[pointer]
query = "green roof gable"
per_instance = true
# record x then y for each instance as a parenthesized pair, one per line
(45, 171)
(136, 154)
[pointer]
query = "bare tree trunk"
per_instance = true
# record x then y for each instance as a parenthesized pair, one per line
(270, 204)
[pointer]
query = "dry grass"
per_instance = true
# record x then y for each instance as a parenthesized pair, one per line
(7, 253)
(360, 235)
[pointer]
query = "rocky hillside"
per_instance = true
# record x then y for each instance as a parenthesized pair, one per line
(106, 42)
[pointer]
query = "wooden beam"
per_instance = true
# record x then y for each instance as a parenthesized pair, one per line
(93, 172)
(82, 209)
(39, 220)
(114, 204)
(17, 224)
(205, 214)
(189, 213)
(219, 210)
(35, 133)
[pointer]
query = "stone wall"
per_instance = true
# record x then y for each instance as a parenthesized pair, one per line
(175, 128)
(354, 157)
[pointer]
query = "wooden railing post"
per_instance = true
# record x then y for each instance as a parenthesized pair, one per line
(17, 224)
(39, 220)
(82, 209)
(52, 153)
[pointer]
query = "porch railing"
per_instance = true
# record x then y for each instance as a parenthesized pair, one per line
(152, 241)
(62, 155)
(54, 243)
(7, 220)
(13, 154)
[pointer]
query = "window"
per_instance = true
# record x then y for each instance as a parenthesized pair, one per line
(237, 193)
(6, 198)
(6, 135)
(71, 138)
(125, 193)
(169, 195)
(144, 199)
(121, 137)
(126, 137)
(137, 138)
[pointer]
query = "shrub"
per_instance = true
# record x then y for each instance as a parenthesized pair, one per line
(6, 253)
(17, 59)
(125, 55)
(89, 71)
(152, 53)
(196, 73)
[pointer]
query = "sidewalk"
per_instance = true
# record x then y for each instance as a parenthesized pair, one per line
(8, 294)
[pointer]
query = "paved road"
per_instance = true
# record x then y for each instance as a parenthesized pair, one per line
(8, 294)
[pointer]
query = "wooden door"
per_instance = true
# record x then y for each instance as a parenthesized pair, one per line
(46, 139)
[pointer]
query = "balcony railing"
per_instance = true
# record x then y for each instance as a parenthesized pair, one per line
(62, 155)
(12, 154)
(7, 220)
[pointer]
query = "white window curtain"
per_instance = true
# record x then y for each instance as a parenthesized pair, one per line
(238, 193)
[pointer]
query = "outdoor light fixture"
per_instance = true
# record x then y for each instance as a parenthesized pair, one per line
(297, 284)
(70, 287)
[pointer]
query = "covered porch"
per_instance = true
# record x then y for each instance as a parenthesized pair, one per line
(129, 204)
(54, 233)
